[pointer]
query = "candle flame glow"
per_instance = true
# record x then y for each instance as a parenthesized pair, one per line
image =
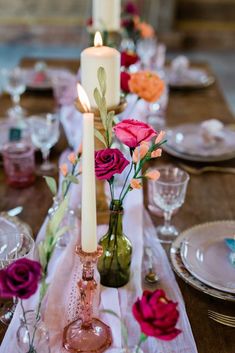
(83, 98)
(98, 41)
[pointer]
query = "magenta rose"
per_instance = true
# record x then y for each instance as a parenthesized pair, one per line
(131, 8)
(132, 132)
(157, 315)
(128, 58)
(108, 162)
(125, 77)
(20, 279)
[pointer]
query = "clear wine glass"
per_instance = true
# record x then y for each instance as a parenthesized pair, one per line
(14, 84)
(169, 194)
(45, 133)
(146, 49)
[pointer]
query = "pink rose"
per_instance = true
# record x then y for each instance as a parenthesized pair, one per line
(132, 132)
(157, 315)
(20, 279)
(108, 162)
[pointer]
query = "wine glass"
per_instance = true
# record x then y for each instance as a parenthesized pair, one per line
(146, 49)
(45, 133)
(14, 84)
(169, 194)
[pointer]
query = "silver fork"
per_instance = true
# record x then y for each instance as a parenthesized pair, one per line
(221, 318)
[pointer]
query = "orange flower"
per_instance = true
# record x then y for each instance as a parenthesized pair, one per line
(152, 175)
(72, 158)
(156, 153)
(140, 152)
(146, 30)
(160, 136)
(146, 85)
(136, 20)
(64, 169)
(135, 184)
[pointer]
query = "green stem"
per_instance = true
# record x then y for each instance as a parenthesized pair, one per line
(111, 190)
(69, 183)
(24, 317)
(124, 185)
(134, 177)
(142, 338)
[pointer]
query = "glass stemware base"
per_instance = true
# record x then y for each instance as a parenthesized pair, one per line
(16, 112)
(47, 167)
(167, 234)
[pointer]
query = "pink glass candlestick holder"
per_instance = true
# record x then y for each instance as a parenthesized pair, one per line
(87, 334)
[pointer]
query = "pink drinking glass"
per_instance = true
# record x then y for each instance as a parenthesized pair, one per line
(19, 164)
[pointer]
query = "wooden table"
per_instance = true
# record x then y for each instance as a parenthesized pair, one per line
(210, 197)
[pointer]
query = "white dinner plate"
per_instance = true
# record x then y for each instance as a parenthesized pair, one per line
(205, 254)
(185, 141)
(186, 276)
(46, 84)
(189, 79)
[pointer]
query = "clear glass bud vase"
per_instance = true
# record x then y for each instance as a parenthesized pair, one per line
(32, 334)
(114, 264)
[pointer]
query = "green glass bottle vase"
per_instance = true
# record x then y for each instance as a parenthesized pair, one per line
(114, 264)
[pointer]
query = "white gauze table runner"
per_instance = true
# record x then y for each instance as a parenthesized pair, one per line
(64, 270)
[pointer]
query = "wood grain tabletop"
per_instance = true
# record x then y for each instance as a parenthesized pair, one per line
(210, 196)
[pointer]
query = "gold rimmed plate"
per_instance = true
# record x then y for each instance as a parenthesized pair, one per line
(188, 277)
(191, 79)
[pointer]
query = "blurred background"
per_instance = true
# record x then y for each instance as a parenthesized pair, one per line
(203, 30)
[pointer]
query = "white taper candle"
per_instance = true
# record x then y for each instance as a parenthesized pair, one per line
(88, 226)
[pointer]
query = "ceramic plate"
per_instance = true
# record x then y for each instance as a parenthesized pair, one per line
(206, 256)
(189, 79)
(15, 237)
(35, 82)
(182, 272)
(186, 142)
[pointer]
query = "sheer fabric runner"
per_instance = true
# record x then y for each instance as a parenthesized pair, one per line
(60, 306)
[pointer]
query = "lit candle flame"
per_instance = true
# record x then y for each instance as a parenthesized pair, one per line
(98, 41)
(83, 98)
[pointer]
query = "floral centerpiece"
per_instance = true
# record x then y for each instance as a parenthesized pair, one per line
(134, 27)
(142, 143)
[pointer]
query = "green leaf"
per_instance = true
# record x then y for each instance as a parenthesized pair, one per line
(64, 186)
(110, 117)
(102, 80)
(100, 137)
(72, 179)
(98, 98)
(58, 234)
(42, 255)
(43, 289)
(51, 184)
(54, 223)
